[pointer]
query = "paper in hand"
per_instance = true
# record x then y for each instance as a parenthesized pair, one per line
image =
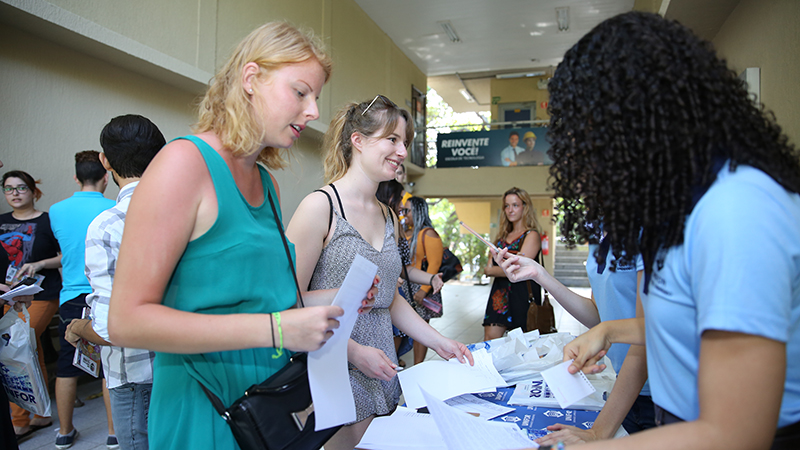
(328, 376)
(567, 388)
(19, 291)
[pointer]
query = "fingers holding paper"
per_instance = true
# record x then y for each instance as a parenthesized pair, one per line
(369, 300)
(448, 349)
(306, 329)
(587, 349)
(516, 267)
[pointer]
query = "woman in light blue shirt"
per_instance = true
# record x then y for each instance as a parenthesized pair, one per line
(655, 138)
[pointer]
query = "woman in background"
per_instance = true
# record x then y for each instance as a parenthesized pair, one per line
(390, 193)
(426, 254)
(507, 307)
(29, 249)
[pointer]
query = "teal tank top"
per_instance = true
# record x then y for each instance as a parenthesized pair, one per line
(238, 266)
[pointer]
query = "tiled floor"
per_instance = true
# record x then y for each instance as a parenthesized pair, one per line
(464, 305)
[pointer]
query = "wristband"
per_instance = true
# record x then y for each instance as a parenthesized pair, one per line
(432, 277)
(279, 350)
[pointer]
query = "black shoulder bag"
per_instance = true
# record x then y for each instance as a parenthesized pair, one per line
(277, 414)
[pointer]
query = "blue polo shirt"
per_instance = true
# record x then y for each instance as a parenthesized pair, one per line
(69, 220)
(615, 295)
(738, 270)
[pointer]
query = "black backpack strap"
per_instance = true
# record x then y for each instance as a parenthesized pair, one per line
(339, 199)
(330, 215)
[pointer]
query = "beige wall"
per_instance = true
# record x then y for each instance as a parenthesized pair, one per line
(69, 66)
(766, 34)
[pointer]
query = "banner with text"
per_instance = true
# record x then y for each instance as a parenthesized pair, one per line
(509, 147)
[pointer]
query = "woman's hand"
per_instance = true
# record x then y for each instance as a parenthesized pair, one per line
(418, 296)
(307, 329)
(18, 300)
(567, 434)
(448, 348)
(371, 361)
(29, 269)
(369, 301)
(437, 283)
(517, 268)
(587, 349)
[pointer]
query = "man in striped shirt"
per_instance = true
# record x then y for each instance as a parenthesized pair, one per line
(129, 144)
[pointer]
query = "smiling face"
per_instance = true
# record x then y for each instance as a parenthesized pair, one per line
(513, 208)
(513, 140)
(381, 156)
(15, 198)
(286, 100)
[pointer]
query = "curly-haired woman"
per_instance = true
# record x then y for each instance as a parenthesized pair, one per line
(656, 139)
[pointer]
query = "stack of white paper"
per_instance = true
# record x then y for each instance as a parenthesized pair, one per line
(447, 379)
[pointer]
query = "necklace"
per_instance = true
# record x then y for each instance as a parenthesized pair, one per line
(34, 213)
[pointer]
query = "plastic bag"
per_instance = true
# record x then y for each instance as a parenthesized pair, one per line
(20, 373)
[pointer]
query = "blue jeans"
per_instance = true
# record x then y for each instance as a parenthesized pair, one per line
(640, 417)
(129, 405)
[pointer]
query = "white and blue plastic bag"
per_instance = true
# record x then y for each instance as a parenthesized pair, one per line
(20, 373)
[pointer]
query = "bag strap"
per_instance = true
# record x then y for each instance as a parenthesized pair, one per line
(216, 402)
(286, 247)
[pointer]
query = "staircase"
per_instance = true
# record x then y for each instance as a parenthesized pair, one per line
(570, 265)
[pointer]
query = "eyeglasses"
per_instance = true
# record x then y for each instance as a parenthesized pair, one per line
(383, 99)
(21, 189)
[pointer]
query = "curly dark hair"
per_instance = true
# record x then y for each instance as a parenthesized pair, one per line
(642, 113)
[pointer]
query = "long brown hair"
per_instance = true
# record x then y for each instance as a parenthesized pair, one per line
(528, 214)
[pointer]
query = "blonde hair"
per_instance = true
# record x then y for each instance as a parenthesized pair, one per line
(227, 110)
(528, 214)
(365, 118)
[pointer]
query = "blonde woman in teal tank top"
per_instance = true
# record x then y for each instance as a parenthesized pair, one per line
(202, 265)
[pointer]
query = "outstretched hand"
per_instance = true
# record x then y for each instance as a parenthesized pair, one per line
(567, 434)
(448, 348)
(516, 267)
(307, 329)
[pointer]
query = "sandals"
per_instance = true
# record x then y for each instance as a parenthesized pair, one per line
(31, 429)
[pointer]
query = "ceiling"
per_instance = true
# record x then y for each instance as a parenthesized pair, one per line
(510, 36)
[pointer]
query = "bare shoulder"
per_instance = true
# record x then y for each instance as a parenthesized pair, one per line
(430, 232)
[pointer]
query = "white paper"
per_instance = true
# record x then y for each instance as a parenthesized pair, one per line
(478, 407)
(405, 429)
(463, 431)
(327, 367)
(447, 379)
(568, 388)
(20, 290)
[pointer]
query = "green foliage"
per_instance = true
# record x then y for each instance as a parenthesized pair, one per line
(470, 250)
(442, 119)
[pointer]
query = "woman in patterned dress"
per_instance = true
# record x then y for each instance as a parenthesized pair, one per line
(508, 303)
(364, 145)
